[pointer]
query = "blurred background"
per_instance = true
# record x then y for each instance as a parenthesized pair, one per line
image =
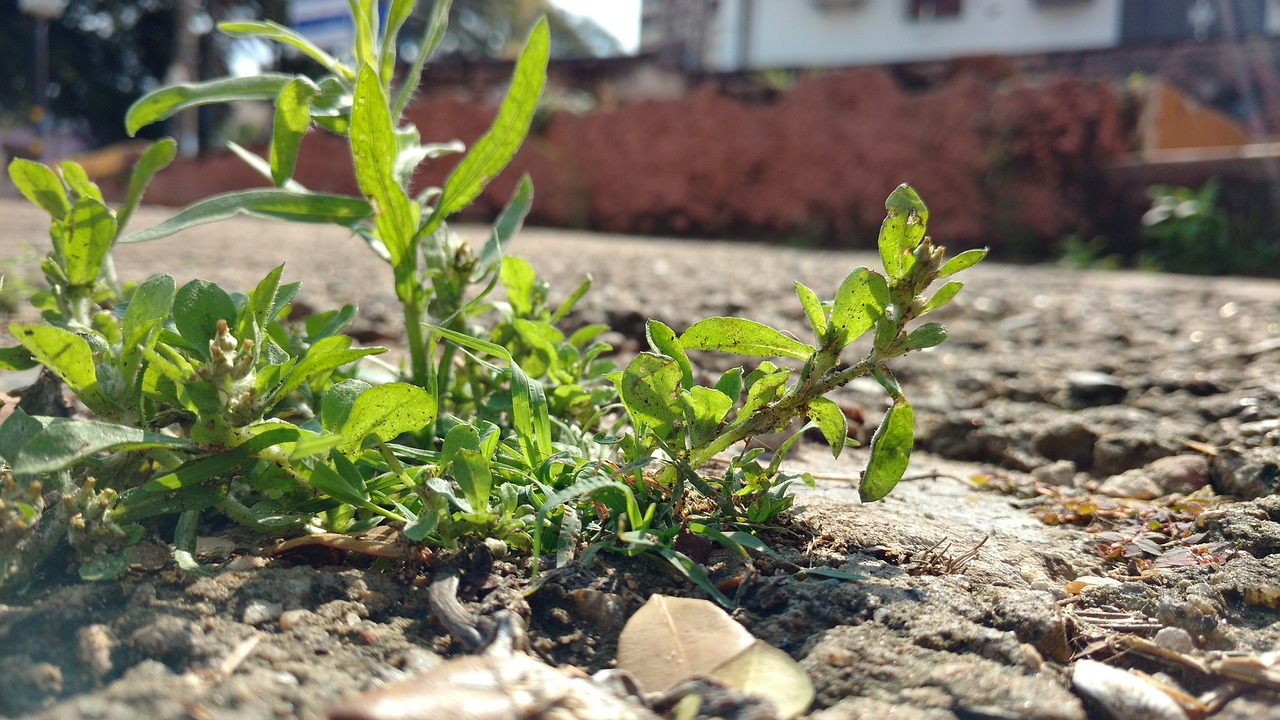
(1093, 133)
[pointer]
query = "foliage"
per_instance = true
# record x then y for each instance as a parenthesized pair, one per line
(1188, 231)
(502, 429)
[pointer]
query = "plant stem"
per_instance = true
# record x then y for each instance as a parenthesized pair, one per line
(420, 370)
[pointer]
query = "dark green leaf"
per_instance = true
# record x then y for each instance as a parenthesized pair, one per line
(65, 442)
(926, 336)
(197, 308)
(890, 452)
(742, 337)
(107, 566)
(704, 408)
(964, 260)
(830, 421)
(39, 184)
(150, 304)
(293, 117)
(338, 486)
(166, 101)
(16, 431)
(498, 145)
(16, 358)
(268, 202)
(155, 158)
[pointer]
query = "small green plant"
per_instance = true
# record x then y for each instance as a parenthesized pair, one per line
(1187, 231)
(502, 429)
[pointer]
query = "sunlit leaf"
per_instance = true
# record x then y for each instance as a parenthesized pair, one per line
(268, 30)
(40, 184)
(742, 337)
(386, 411)
(830, 421)
(275, 203)
(964, 260)
(762, 670)
(292, 118)
(670, 639)
(902, 230)
(890, 452)
(166, 101)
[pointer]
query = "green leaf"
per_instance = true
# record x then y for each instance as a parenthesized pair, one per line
(90, 229)
(326, 355)
(964, 260)
(155, 158)
(506, 226)
(16, 358)
(399, 11)
(499, 144)
(63, 443)
(856, 308)
(211, 466)
(926, 336)
(942, 296)
(471, 472)
(268, 30)
(150, 304)
(78, 180)
(813, 310)
(197, 308)
(107, 566)
(730, 383)
(65, 353)
(40, 185)
(16, 431)
(431, 38)
(890, 452)
(830, 421)
(336, 406)
(743, 337)
(650, 390)
(518, 279)
(293, 117)
(373, 149)
(386, 411)
(164, 102)
(664, 341)
(257, 311)
(339, 486)
(270, 203)
(902, 230)
(704, 408)
(763, 389)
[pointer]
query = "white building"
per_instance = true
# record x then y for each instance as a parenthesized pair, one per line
(760, 34)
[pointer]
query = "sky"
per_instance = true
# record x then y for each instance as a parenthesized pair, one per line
(620, 17)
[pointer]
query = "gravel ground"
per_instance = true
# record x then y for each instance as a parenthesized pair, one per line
(1106, 444)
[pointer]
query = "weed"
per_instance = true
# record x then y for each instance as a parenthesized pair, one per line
(502, 429)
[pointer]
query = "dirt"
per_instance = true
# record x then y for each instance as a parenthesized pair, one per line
(989, 573)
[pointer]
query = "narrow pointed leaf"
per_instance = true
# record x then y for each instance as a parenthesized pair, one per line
(270, 203)
(498, 145)
(926, 336)
(78, 180)
(268, 30)
(813, 310)
(742, 337)
(163, 103)
(431, 38)
(155, 158)
(373, 149)
(506, 226)
(964, 260)
(664, 341)
(942, 296)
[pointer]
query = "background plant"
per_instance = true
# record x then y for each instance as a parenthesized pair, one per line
(503, 428)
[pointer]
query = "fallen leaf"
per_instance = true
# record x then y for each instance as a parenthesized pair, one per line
(765, 671)
(672, 639)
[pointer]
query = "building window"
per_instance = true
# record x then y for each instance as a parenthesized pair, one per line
(930, 9)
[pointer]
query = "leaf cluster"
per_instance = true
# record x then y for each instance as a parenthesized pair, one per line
(504, 428)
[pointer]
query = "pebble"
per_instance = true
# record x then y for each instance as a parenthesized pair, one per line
(290, 619)
(1060, 473)
(166, 636)
(1175, 639)
(1123, 695)
(93, 648)
(1181, 474)
(259, 611)
(1089, 387)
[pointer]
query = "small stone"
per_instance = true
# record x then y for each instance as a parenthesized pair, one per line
(1086, 388)
(93, 648)
(1175, 639)
(259, 611)
(290, 619)
(605, 611)
(166, 636)
(1130, 484)
(214, 549)
(1057, 474)
(1182, 474)
(246, 562)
